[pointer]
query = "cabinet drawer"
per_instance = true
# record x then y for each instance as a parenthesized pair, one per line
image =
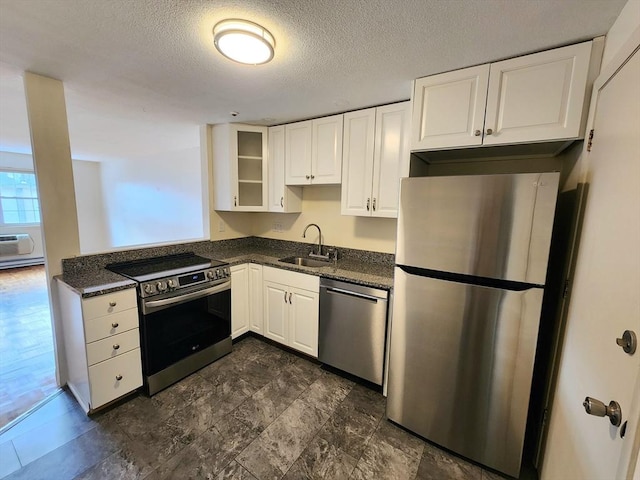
(113, 346)
(109, 303)
(103, 327)
(103, 377)
(287, 277)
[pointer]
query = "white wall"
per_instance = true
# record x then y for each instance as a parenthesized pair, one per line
(153, 199)
(92, 220)
(20, 161)
(321, 205)
(52, 160)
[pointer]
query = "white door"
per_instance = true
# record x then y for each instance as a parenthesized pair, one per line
(605, 298)
(297, 155)
(391, 159)
(303, 321)
(537, 97)
(256, 307)
(239, 300)
(357, 158)
(448, 109)
(276, 310)
(326, 150)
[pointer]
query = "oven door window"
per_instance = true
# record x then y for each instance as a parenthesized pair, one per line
(174, 333)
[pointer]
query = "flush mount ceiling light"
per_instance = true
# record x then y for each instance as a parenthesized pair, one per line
(243, 41)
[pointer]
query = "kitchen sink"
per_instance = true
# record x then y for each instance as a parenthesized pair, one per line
(305, 261)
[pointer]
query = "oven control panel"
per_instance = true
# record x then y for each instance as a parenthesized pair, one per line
(207, 277)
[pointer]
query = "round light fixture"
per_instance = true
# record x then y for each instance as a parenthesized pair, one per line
(243, 41)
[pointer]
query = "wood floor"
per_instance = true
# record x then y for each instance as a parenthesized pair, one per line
(27, 366)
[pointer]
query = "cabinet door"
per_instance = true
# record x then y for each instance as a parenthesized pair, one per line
(281, 197)
(391, 158)
(276, 303)
(251, 149)
(256, 313)
(326, 151)
(357, 158)
(297, 155)
(239, 300)
(303, 321)
(537, 97)
(448, 109)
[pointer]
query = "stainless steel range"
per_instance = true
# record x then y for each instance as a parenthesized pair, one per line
(184, 304)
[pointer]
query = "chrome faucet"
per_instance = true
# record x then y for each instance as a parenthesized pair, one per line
(319, 254)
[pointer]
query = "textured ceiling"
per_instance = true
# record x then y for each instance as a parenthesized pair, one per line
(141, 75)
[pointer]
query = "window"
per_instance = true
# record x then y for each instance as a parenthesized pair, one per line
(18, 198)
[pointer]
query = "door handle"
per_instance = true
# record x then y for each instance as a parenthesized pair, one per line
(599, 409)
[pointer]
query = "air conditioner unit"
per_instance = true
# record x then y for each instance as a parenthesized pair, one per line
(16, 244)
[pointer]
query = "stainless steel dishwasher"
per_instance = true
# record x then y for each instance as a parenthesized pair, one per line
(353, 324)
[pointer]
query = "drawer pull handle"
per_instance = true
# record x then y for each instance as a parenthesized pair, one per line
(115, 325)
(112, 304)
(118, 377)
(116, 346)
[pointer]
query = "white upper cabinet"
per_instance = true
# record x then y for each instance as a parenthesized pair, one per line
(326, 151)
(448, 109)
(375, 157)
(239, 167)
(313, 151)
(357, 167)
(534, 98)
(282, 198)
(537, 97)
(298, 153)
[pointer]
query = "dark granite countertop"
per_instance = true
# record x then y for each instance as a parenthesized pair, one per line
(93, 282)
(88, 276)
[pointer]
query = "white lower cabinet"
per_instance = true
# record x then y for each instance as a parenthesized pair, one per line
(291, 309)
(239, 300)
(102, 345)
(246, 299)
(255, 299)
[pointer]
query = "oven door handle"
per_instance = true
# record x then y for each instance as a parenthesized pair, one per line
(157, 304)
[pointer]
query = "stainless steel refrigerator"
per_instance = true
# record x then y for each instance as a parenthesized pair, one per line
(471, 261)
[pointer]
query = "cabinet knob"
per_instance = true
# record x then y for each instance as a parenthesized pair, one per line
(374, 204)
(489, 131)
(308, 177)
(116, 346)
(115, 325)
(235, 201)
(118, 377)
(368, 204)
(285, 297)
(282, 201)
(112, 304)
(477, 133)
(289, 297)
(312, 177)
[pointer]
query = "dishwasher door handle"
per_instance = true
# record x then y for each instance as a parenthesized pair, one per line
(349, 293)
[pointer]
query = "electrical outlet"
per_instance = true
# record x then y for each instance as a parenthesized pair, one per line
(221, 226)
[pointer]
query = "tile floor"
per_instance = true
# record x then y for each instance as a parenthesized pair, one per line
(27, 366)
(258, 413)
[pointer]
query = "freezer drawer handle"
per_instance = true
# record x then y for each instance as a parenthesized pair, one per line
(352, 294)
